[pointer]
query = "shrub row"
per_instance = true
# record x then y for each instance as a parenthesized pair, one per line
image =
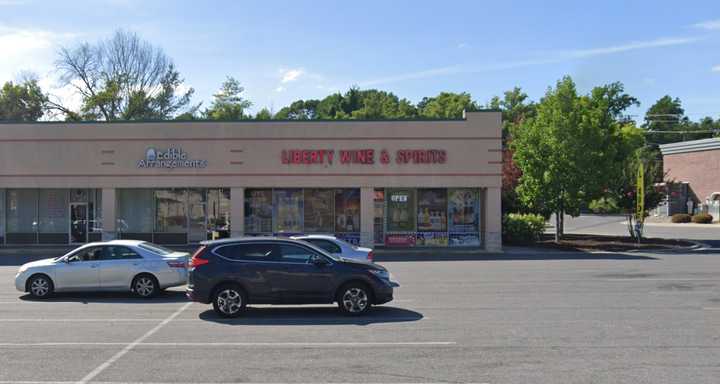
(700, 218)
(522, 228)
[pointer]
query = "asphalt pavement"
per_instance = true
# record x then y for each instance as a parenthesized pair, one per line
(530, 317)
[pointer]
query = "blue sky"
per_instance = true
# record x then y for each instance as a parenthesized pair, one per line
(285, 50)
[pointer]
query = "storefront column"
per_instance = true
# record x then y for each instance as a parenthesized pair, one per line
(493, 220)
(237, 212)
(109, 219)
(367, 218)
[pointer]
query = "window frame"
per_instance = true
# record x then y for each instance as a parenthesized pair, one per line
(265, 259)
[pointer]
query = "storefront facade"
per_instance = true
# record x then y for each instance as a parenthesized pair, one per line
(384, 183)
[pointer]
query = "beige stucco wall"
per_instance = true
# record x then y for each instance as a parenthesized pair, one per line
(248, 154)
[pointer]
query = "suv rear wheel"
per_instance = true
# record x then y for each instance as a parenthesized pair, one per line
(229, 301)
(354, 299)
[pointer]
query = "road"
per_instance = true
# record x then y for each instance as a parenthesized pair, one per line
(535, 318)
(616, 226)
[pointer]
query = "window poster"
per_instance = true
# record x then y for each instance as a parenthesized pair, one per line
(319, 207)
(400, 239)
(464, 210)
(432, 239)
(288, 210)
(432, 210)
(258, 211)
(400, 210)
(347, 210)
(352, 238)
(464, 240)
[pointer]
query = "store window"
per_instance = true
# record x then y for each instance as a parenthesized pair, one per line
(2, 216)
(319, 207)
(432, 207)
(171, 211)
(135, 211)
(347, 215)
(95, 211)
(401, 217)
(379, 217)
(258, 211)
(53, 210)
(464, 217)
(21, 216)
(218, 210)
(288, 210)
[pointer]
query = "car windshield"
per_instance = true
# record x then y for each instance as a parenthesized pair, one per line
(157, 249)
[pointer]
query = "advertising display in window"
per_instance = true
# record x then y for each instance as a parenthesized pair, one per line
(347, 210)
(352, 238)
(464, 210)
(21, 210)
(432, 210)
(400, 210)
(464, 240)
(218, 210)
(258, 211)
(319, 207)
(432, 239)
(288, 210)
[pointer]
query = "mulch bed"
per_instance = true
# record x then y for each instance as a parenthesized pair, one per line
(609, 243)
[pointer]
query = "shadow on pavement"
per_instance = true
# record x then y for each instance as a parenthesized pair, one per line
(555, 255)
(313, 316)
(109, 298)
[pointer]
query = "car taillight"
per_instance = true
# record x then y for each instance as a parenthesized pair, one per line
(370, 256)
(196, 260)
(176, 264)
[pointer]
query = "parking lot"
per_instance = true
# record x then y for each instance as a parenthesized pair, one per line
(557, 318)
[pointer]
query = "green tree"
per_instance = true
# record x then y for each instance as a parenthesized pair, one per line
(22, 102)
(228, 104)
(665, 122)
(299, 110)
(123, 78)
(264, 114)
(376, 104)
(514, 106)
(567, 152)
(446, 105)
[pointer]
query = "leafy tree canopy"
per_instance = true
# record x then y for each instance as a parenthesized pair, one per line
(122, 78)
(22, 102)
(228, 104)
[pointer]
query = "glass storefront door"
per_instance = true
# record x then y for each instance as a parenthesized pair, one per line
(78, 223)
(197, 214)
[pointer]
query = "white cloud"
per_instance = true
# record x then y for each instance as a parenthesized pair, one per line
(708, 25)
(632, 46)
(12, 2)
(550, 58)
(715, 68)
(280, 89)
(291, 75)
(462, 45)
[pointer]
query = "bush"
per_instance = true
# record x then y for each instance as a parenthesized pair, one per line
(702, 218)
(681, 218)
(522, 228)
(604, 205)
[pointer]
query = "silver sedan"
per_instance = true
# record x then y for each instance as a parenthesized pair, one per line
(337, 247)
(119, 265)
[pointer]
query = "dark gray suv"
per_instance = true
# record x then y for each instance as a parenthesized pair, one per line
(232, 273)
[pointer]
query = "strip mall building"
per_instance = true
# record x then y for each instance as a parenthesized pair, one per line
(394, 183)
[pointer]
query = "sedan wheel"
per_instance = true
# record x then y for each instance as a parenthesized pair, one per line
(354, 300)
(40, 287)
(229, 301)
(145, 286)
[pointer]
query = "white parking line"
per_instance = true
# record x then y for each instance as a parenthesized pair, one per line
(132, 345)
(239, 344)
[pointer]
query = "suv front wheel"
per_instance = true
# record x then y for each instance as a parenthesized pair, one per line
(354, 299)
(229, 301)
